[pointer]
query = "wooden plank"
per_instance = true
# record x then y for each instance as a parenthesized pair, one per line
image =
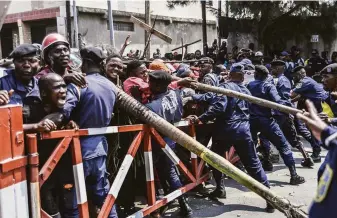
(148, 28)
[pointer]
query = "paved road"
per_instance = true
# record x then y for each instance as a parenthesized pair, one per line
(243, 203)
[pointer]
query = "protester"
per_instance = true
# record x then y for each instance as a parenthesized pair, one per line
(114, 69)
(56, 54)
(57, 193)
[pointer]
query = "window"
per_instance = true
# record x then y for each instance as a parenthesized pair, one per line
(123, 26)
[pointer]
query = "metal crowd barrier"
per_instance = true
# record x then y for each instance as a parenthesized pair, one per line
(14, 199)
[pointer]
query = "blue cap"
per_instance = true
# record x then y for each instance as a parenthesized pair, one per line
(237, 68)
(25, 50)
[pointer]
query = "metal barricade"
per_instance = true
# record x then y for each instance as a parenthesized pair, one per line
(70, 138)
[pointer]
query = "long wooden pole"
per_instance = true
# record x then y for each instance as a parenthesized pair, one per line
(137, 109)
(249, 98)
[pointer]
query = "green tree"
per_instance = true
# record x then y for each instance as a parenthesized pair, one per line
(272, 19)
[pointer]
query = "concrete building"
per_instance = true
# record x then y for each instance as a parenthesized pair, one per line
(29, 21)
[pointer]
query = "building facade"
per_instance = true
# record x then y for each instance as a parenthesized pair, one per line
(30, 21)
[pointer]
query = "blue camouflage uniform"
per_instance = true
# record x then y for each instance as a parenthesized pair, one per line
(324, 203)
(21, 91)
(232, 128)
(285, 121)
(92, 107)
(262, 120)
(310, 89)
(169, 106)
(211, 79)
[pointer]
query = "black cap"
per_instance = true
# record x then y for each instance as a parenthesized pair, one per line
(277, 63)
(298, 68)
(262, 70)
(314, 51)
(94, 54)
(160, 76)
(24, 50)
(330, 69)
(206, 60)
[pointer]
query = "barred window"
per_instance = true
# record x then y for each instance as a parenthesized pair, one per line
(123, 26)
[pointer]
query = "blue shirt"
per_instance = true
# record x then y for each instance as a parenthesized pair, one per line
(91, 107)
(310, 89)
(283, 87)
(21, 91)
(230, 114)
(324, 203)
(265, 90)
(211, 79)
(168, 106)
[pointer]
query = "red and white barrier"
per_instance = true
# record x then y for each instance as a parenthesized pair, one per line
(14, 198)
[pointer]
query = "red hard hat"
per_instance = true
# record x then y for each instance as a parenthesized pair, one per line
(50, 40)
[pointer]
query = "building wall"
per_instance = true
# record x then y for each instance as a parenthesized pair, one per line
(157, 8)
(98, 34)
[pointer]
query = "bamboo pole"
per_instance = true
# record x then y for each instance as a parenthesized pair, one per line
(249, 98)
(137, 109)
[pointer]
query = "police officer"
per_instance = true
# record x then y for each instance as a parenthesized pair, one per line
(261, 120)
(232, 128)
(55, 52)
(58, 192)
(168, 105)
(329, 80)
(315, 63)
(206, 72)
(307, 88)
(20, 82)
(283, 86)
(92, 107)
(324, 203)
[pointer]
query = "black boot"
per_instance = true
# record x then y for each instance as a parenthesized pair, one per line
(185, 209)
(267, 163)
(218, 193)
(316, 156)
(270, 208)
(295, 179)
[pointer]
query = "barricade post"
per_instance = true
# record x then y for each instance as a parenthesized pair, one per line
(14, 199)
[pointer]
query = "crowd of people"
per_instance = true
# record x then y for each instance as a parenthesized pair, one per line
(54, 94)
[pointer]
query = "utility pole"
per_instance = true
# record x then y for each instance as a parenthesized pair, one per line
(219, 17)
(227, 8)
(75, 24)
(147, 21)
(111, 25)
(68, 17)
(204, 31)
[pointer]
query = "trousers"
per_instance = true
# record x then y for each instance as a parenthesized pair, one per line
(286, 123)
(305, 133)
(269, 128)
(97, 183)
(166, 169)
(245, 148)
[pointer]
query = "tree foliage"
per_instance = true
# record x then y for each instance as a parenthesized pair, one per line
(289, 19)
